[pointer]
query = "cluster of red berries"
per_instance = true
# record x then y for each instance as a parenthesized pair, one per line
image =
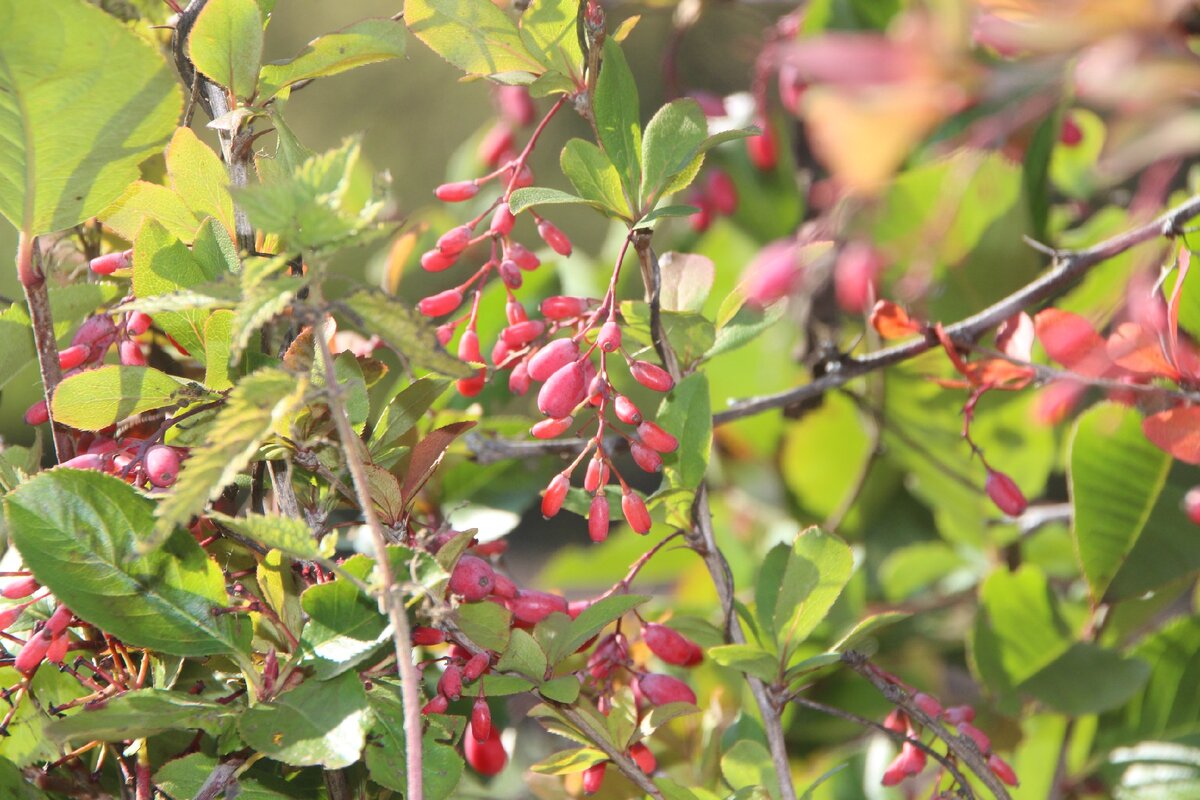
(608, 667)
(46, 641)
(912, 759)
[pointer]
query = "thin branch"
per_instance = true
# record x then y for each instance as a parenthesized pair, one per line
(895, 736)
(37, 300)
(622, 760)
(391, 598)
(1069, 266)
(222, 775)
(961, 747)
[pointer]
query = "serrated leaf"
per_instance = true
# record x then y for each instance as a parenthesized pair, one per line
(591, 621)
(548, 29)
(406, 332)
(819, 567)
(142, 713)
(14, 786)
(594, 177)
(478, 38)
(217, 332)
(186, 776)
(523, 655)
(142, 201)
(286, 534)
(78, 533)
(226, 44)
(96, 398)
(252, 412)
(533, 196)
(344, 625)
(1116, 476)
(260, 304)
(748, 658)
(568, 762)
(617, 117)
(685, 413)
(199, 178)
(72, 147)
(318, 723)
(441, 765)
(672, 140)
(366, 42)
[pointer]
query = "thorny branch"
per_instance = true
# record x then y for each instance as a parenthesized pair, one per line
(37, 300)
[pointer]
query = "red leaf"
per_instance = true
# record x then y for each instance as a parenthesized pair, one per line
(892, 321)
(1073, 342)
(1138, 350)
(1176, 431)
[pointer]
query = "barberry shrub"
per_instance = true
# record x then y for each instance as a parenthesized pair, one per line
(864, 408)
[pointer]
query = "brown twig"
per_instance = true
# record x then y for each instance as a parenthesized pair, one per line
(961, 747)
(1069, 266)
(622, 760)
(37, 300)
(222, 775)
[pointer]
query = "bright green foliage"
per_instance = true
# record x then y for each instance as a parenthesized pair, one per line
(404, 330)
(142, 713)
(365, 42)
(478, 38)
(441, 766)
(318, 722)
(226, 44)
(97, 398)
(72, 146)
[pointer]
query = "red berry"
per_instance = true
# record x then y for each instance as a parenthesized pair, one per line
(437, 705)
(456, 192)
(980, 738)
(668, 644)
(524, 177)
(98, 331)
(609, 338)
(516, 105)
(469, 387)
(109, 263)
(523, 333)
(551, 358)
(57, 650)
(504, 587)
(502, 220)
(598, 390)
(774, 273)
(721, 191)
(791, 88)
(441, 303)
(626, 411)
(644, 457)
(556, 492)
(956, 715)
(928, 704)
(60, 620)
(454, 241)
(510, 274)
(763, 149)
(657, 438)
(476, 666)
(450, 684)
(635, 511)
(1005, 493)
(531, 607)
(502, 355)
(495, 145)
(518, 380)
(19, 587)
(661, 689)
(598, 518)
(563, 391)
(514, 311)
(560, 307)
(481, 720)
(10, 615)
(702, 219)
(911, 761)
(643, 758)
(131, 354)
(427, 637)
(856, 277)
(596, 475)
(524, 259)
(445, 333)
(473, 578)
(1001, 769)
(37, 414)
(32, 654)
(651, 376)
(73, 356)
(896, 721)
(468, 347)
(549, 428)
(86, 461)
(555, 238)
(162, 465)
(436, 261)
(593, 777)
(1071, 134)
(486, 757)
(1191, 504)
(137, 323)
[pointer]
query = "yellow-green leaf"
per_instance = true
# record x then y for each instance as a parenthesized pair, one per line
(199, 178)
(97, 398)
(226, 44)
(365, 42)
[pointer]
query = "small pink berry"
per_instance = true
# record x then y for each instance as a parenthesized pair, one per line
(642, 756)
(524, 258)
(445, 333)
(656, 438)
(596, 475)
(956, 715)
(626, 411)
(1005, 493)
(791, 88)
(523, 178)
(57, 650)
(427, 637)
(486, 757)
(510, 274)
(555, 238)
(73, 356)
(456, 192)
(37, 414)
(593, 777)
(109, 263)
(95, 461)
(98, 331)
(553, 357)
(522, 333)
(651, 376)
(501, 355)
(469, 387)
(162, 465)
(661, 689)
(32, 654)
(550, 428)
(896, 721)
(437, 705)
(563, 391)
(472, 578)
(980, 738)
(476, 665)
(1002, 770)
(137, 323)
(721, 191)
(450, 684)
(763, 149)
(774, 273)
(441, 303)
(555, 494)
(436, 261)
(1191, 504)
(598, 518)
(19, 587)
(468, 347)
(856, 277)
(518, 380)
(495, 145)
(668, 644)
(516, 105)
(928, 704)
(502, 220)
(634, 509)
(644, 457)
(454, 241)
(1071, 134)
(481, 720)
(504, 587)
(560, 307)
(530, 607)
(609, 338)
(131, 354)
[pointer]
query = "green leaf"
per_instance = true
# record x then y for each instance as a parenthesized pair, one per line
(744, 327)
(366, 42)
(184, 777)
(14, 786)
(673, 139)
(96, 398)
(805, 666)
(685, 414)
(405, 410)
(684, 177)
(287, 534)
(406, 332)
(72, 146)
(687, 280)
(476, 37)
(568, 762)
(344, 625)
(748, 764)
(68, 305)
(548, 29)
(748, 658)
(523, 655)
(319, 723)
(1116, 476)
(261, 303)
(594, 177)
(868, 627)
(255, 408)
(532, 196)
(199, 178)
(818, 568)
(504, 685)
(142, 713)
(486, 624)
(1088, 679)
(441, 765)
(1167, 549)
(1025, 620)
(1168, 706)
(663, 212)
(617, 118)
(226, 44)
(563, 689)
(142, 201)
(591, 621)
(217, 333)
(77, 531)
(658, 716)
